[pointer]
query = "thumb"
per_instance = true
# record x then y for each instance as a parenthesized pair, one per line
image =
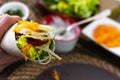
(6, 21)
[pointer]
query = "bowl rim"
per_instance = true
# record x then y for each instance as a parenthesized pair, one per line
(76, 29)
(21, 4)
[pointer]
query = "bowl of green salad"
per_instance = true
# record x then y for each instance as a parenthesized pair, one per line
(77, 9)
(15, 8)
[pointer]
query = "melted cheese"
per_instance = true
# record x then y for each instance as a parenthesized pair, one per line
(33, 26)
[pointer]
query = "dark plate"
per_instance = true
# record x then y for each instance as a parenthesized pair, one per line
(76, 71)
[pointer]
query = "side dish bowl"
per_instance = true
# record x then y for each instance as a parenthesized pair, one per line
(108, 34)
(77, 9)
(67, 42)
(15, 8)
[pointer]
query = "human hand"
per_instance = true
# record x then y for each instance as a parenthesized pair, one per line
(6, 21)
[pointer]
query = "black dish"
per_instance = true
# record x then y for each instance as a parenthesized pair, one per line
(77, 71)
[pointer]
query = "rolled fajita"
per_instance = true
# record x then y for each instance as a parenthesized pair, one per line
(31, 41)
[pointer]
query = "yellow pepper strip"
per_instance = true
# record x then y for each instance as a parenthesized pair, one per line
(24, 51)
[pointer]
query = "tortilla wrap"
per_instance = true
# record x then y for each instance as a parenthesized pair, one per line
(9, 43)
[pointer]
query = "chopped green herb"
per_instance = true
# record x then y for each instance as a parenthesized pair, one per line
(14, 12)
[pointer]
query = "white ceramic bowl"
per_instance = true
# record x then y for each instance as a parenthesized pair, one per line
(15, 6)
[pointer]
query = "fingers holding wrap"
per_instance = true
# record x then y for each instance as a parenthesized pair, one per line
(6, 21)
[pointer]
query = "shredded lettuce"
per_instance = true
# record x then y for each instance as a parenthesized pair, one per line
(46, 28)
(84, 8)
(22, 41)
(42, 54)
(32, 53)
(51, 44)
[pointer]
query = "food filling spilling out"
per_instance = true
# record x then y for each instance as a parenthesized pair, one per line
(35, 41)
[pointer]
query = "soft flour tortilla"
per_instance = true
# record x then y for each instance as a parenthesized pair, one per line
(8, 43)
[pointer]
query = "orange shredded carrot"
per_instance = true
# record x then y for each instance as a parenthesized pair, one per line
(24, 51)
(107, 35)
(56, 75)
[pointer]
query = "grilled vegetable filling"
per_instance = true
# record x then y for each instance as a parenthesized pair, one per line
(31, 47)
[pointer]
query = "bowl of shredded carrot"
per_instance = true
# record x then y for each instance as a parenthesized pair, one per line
(107, 35)
(105, 32)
